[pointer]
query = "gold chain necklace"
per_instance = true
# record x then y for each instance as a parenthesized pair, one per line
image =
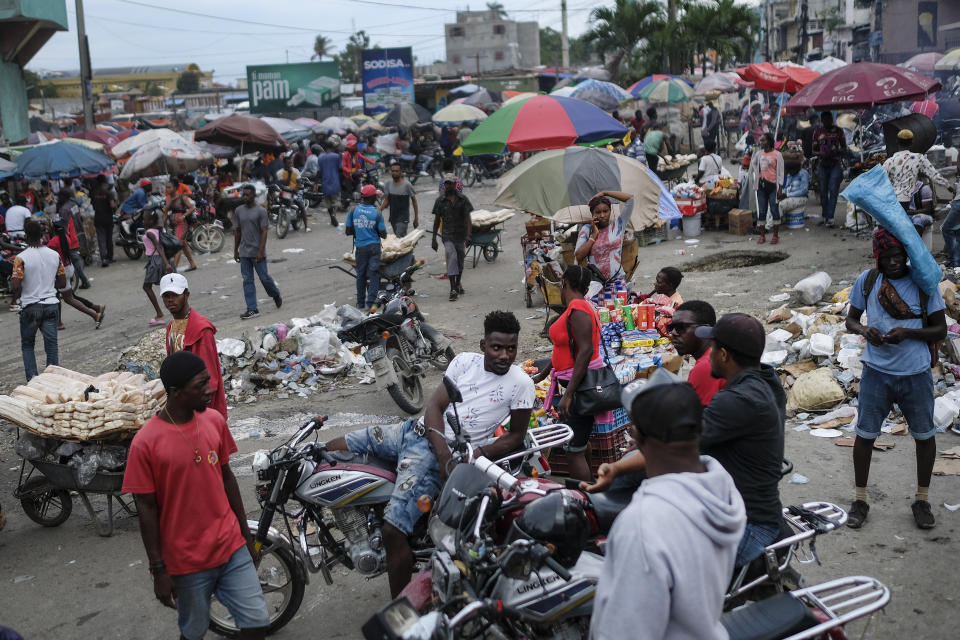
(196, 451)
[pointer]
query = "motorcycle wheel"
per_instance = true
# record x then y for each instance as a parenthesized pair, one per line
(408, 392)
(207, 238)
(443, 361)
(283, 224)
(294, 220)
(44, 503)
(282, 588)
(134, 252)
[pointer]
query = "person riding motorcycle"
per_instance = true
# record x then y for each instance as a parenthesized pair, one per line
(289, 178)
(351, 165)
(493, 390)
(136, 201)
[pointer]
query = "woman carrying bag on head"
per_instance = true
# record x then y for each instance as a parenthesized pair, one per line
(576, 352)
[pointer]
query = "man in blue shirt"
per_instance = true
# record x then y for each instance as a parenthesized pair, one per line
(796, 184)
(365, 223)
(137, 199)
(905, 324)
(328, 167)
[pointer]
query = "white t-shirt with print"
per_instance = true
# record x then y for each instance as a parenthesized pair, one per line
(488, 398)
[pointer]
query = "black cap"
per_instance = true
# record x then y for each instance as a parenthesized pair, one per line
(664, 408)
(738, 332)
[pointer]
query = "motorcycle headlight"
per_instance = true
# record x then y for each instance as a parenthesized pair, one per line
(261, 461)
(443, 536)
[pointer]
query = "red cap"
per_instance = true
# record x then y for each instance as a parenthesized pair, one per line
(145, 182)
(369, 190)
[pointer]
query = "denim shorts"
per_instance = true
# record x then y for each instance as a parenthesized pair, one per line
(418, 472)
(237, 587)
(756, 538)
(878, 393)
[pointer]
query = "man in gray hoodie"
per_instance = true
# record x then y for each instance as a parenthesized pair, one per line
(670, 553)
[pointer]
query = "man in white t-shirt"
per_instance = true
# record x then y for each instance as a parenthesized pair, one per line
(493, 389)
(37, 274)
(16, 216)
(711, 165)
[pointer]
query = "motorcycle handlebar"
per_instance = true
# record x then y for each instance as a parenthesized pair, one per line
(557, 568)
(503, 478)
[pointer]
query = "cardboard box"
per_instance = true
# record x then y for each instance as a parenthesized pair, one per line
(670, 363)
(740, 222)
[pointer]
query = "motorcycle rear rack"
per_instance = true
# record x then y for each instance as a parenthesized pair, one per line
(540, 438)
(841, 601)
(806, 532)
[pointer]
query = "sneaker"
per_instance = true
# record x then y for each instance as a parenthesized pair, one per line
(460, 290)
(955, 428)
(425, 174)
(857, 514)
(333, 221)
(922, 514)
(250, 313)
(84, 286)
(277, 300)
(453, 296)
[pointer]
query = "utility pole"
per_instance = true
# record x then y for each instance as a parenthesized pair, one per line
(802, 53)
(564, 40)
(287, 51)
(478, 63)
(86, 75)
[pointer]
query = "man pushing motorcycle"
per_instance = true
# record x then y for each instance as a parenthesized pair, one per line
(493, 389)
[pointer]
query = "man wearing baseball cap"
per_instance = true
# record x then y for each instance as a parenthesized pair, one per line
(452, 209)
(743, 425)
(365, 223)
(671, 552)
(190, 331)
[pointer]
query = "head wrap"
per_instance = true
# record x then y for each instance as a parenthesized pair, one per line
(883, 240)
(179, 368)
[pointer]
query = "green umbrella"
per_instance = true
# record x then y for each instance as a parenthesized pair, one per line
(669, 91)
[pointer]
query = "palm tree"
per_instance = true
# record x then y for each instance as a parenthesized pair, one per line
(736, 32)
(619, 31)
(497, 7)
(322, 47)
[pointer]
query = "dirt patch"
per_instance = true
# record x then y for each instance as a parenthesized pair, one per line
(734, 260)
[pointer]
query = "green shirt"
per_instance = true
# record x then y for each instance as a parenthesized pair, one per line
(652, 142)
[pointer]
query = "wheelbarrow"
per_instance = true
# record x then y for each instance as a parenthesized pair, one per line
(485, 241)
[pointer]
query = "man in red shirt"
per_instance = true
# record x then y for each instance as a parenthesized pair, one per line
(687, 317)
(351, 164)
(190, 331)
(192, 520)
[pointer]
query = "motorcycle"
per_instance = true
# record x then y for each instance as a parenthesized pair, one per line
(204, 231)
(434, 169)
(130, 228)
(398, 342)
(283, 209)
(313, 198)
(477, 168)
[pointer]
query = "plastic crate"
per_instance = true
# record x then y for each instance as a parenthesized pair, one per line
(653, 234)
(604, 447)
(620, 418)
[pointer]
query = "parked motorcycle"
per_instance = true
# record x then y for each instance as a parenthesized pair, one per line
(130, 228)
(283, 209)
(204, 231)
(478, 168)
(398, 342)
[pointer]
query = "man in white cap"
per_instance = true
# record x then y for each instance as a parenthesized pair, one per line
(190, 331)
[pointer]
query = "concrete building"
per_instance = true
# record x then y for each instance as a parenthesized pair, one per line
(482, 41)
(838, 28)
(125, 79)
(915, 26)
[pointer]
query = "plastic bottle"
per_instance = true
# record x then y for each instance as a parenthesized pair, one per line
(679, 252)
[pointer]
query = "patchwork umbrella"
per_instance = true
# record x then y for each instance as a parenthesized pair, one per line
(236, 130)
(862, 85)
(457, 113)
(639, 85)
(667, 91)
(605, 95)
(542, 122)
(554, 181)
(61, 160)
(165, 157)
(134, 142)
(406, 114)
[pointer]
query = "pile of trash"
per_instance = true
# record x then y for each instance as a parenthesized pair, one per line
(298, 358)
(819, 361)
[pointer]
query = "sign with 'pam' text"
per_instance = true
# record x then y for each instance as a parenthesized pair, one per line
(387, 78)
(275, 88)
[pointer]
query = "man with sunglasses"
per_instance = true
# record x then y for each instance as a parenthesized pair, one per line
(687, 317)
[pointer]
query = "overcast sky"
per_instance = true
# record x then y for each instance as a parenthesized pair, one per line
(141, 32)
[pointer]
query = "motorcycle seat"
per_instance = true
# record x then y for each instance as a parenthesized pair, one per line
(607, 506)
(776, 617)
(362, 458)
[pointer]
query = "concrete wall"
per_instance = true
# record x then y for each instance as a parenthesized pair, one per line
(517, 46)
(13, 103)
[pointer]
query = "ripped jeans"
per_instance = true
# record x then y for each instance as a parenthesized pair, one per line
(418, 472)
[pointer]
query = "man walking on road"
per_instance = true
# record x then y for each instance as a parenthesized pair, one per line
(328, 168)
(905, 323)
(365, 224)
(399, 195)
(37, 274)
(250, 225)
(452, 209)
(104, 201)
(192, 519)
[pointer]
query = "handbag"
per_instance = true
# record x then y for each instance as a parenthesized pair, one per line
(599, 391)
(171, 244)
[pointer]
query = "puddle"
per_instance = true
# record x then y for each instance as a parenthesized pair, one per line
(734, 260)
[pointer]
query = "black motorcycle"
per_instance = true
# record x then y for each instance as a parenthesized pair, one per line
(483, 167)
(130, 227)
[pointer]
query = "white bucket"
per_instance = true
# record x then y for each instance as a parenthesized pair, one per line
(691, 225)
(794, 219)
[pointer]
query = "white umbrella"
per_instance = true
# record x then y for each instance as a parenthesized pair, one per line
(340, 126)
(288, 129)
(563, 92)
(826, 65)
(165, 157)
(133, 143)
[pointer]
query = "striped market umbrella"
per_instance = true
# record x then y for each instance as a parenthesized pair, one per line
(457, 113)
(542, 122)
(557, 182)
(600, 93)
(669, 91)
(639, 85)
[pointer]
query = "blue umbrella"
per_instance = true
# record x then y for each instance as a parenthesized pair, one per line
(7, 168)
(638, 86)
(61, 160)
(605, 95)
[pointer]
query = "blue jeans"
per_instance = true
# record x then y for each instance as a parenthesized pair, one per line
(237, 587)
(418, 472)
(951, 230)
(830, 178)
(913, 394)
(756, 538)
(247, 267)
(767, 197)
(44, 317)
(368, 274)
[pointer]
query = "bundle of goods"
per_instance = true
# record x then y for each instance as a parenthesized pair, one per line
(677, 161)
(690, 198)
(392, 247)
(68, 405)
(634, 342)
(725, 187)
(483, 219)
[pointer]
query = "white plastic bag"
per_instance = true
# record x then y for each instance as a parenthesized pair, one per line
(316, 344)
(811, 289)
(945, 412)
(231, 347)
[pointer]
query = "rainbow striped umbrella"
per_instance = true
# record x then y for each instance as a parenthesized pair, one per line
(542, 122)
(669, 91)
(639, 85)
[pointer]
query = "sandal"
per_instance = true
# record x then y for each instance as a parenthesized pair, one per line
(155, 321)
(762, 239)
(103, 309)
(193, 268)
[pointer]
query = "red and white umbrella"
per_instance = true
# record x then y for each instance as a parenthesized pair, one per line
(862, 85)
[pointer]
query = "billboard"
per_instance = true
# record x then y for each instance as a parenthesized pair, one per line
(276, 88)
(387, 78)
